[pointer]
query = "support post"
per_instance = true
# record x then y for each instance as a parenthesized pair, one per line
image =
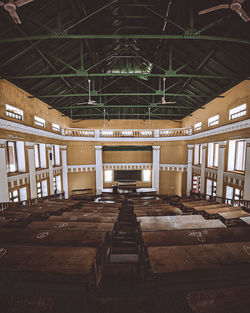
(246, 194)
(32, 169)
(189, 169)
(65, 172)
(4, 190)
(220, 170)
(50, 162)
(156, 168)
(203, 167)
(98, 169)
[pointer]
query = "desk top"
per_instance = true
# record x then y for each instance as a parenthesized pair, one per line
(48, 261)
(212, 206)
(221, 210)
(178, 222)
(228, 300)
(196, 258)
(246, 220)
(52, 237)
(197, 236)
(235, 214)
(92, 219)
(103, 227)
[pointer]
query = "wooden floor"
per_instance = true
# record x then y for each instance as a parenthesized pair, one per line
(132, 253)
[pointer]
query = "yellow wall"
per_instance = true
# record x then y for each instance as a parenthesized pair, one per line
(127, 156)
(12, 95)
(81, 180)
(235, 96)
(171, 183)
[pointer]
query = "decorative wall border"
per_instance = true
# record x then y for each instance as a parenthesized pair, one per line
(234, 178)
(196, 169)
(42, 174)
(173, 167)
(80, 168)
(211, 173)
(57, 170)
(127, 166)
(18, 180)
(18, 127)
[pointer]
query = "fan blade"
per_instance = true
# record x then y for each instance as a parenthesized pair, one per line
(215, 8)
(170, 102)
(1, 4)
(243, 15)
(238, 1)
(15, 17)
(20, 3)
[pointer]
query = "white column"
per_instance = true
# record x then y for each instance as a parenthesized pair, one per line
(98, 169)
(246, 195)
(50, 158)
(32, 169)
(189, 169)
(65, 171)
(156, 168)
(203, 167)
(4, 190)
(220, 170)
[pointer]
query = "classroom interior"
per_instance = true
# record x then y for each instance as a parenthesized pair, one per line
(124, 156)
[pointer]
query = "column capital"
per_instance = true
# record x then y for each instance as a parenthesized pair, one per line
(49, 146)
(204, 145)
(30, 145)
(63, 147)
(2, 143)
(98, 147)
(190, 146)
(222, 144)
(156, 147)
(248, 142)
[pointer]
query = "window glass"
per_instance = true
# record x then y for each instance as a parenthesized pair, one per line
(239, 111)
(209, 187)
(146, 175)
(37, 156)
(108, 176)
(55, 127)
(214, 120)
(11, 156)
(39, 121)
(14, 112)
(196, 154)
(197, 126)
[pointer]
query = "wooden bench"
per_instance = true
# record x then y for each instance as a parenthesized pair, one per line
(202, 208)
(82, 194)
(95, 218)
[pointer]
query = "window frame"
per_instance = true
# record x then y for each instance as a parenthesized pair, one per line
(12, 197)
(237, 149)
(143, 176)
(14, 156)
(10, 112)
(211, 122)
(56, 127)
(39, 157)
(39, 121)
(39, 189)
(244, 111)
(215, 149)
(197, 126)
(112, 176)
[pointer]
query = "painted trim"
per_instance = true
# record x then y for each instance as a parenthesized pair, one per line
(81, 168)
(17, 127)
(173, 167)
(18, 180)
(127, 166)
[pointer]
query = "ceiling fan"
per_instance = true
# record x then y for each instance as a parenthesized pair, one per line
(235, 5)
(90, 101)
(11, 7)
(163, 98)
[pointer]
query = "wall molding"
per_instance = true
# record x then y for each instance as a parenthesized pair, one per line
(18, 127)
(173, 167)
(18, 180)
(127, 166)
(211, 173)
(81, 168)
(233, 178)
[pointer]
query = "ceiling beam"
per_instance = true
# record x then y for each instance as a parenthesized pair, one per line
(122, 36)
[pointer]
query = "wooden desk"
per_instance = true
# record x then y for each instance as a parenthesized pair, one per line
(3, 223)
(231, 218)
(194, 237)
(228, 300)
(177, 222)
(50, 263)
(214, 213)
(92, 219)
(246, 220)
(26, 304)
(163, 212)
(202, 208)
(90, 214)
(103, 227)
(96, 210)
(200, 265)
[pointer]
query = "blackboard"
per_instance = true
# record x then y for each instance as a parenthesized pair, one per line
(127, 175)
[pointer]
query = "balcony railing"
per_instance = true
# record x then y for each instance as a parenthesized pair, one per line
(128, 133)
